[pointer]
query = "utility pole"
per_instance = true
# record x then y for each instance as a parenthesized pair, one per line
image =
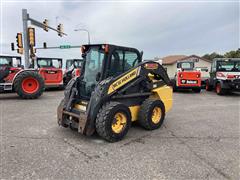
(25, 39)
(81, 29)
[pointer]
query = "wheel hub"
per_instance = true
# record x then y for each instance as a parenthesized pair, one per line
(119, 122)
(156, 115)
(30, 85)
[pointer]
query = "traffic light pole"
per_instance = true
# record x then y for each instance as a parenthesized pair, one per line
(25, 39)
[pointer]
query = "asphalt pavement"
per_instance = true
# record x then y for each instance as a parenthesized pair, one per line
(199, 140)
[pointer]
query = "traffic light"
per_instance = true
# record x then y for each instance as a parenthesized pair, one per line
(31, 36)
(45, 22)
(60, 30)
(19, 40)
(20, 50)
(45, 45)
(12, 47)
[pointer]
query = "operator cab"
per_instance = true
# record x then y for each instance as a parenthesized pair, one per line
(227, 65)
(74, 63)
(9, 66)
(185, 65)
(49, 62)
(51, 70)
(103, 61)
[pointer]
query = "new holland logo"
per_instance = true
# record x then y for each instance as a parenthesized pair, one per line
(123, 80)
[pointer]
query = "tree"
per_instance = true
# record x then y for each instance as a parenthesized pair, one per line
(232, 54)
(212, 56)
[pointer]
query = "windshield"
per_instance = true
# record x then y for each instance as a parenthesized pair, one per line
(185, 65)
(232, 66)
(77, 63)
(54, 63)
(93, 66)
(5, 61)
(11, 61)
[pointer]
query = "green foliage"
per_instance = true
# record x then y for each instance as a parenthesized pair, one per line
(230, 54)
(212, 56)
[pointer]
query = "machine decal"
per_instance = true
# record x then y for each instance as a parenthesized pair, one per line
(123, 80)
(151, 66)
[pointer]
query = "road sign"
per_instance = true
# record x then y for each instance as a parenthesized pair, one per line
(64, 46)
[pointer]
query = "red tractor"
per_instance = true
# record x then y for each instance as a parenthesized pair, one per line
(187, 77)
(73, 69)
(27, 83)
(51, 71)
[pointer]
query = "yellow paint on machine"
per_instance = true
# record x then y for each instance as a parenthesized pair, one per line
(165, 93)
(123, 80)
(80, 107)
(134, 112)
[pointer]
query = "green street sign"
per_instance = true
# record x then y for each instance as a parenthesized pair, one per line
(64, 46)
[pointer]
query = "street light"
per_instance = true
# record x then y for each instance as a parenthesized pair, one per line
(85, 31)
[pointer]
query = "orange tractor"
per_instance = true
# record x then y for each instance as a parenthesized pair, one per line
(30, 83)
(51, 71)
(187, 77)
(27, 83)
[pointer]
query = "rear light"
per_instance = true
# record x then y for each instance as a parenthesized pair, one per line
(230, 76)
(219, 74)
(198, 75)
(180, 75)
(106, 48)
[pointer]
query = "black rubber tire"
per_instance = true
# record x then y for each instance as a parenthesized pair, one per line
(145, 113)
(221, 91)
(208, 87)
(18, 84)
(105, 118)
(196, 90)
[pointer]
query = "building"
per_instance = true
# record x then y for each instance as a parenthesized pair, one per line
(170, 64)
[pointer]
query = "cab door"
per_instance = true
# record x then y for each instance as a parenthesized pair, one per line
(121, 61)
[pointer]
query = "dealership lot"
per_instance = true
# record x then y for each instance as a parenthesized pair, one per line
(199, 140)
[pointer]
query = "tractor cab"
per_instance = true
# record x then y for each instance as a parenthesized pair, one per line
(51, 70)
(74, 63)
(102, 62)
(73, 69)
(185, 66)
(9, 66)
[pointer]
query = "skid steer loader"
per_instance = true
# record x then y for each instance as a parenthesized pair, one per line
(114, 89)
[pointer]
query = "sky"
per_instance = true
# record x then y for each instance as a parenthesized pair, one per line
(158, 28)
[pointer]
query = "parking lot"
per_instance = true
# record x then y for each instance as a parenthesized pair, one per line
(199, 140)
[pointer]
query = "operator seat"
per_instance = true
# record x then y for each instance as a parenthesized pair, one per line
(116, 67)
(4, 72)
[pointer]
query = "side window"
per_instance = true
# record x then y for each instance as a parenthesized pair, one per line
(116, 64)
(131, 60)
(5, 61)
(56, 63)
(214, 66)
(122, 61)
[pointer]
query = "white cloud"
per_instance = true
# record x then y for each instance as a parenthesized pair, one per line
(156, 28)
